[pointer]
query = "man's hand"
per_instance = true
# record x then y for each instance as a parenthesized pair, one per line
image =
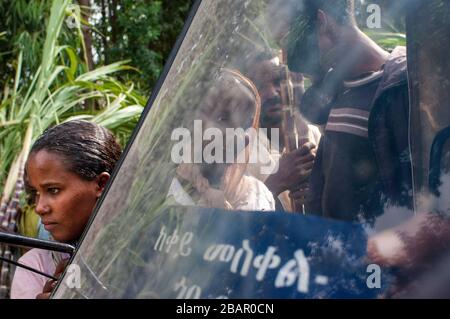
(299, 195)
(294, 169)
(51, 284)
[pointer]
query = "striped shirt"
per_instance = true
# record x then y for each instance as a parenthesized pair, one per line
(344, 181)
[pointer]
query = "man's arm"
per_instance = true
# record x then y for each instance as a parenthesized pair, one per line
(294, 169)
(313, 203)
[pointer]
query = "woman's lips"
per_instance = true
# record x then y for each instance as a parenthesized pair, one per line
(49, 226)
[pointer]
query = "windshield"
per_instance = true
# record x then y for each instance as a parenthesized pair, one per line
(273, 161)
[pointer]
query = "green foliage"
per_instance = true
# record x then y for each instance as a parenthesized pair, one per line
(392, 14)
(45, 78)
(138, 23)
(60, 89)
(393, 29)
(141, 30)
(22, 26)
(387, 40)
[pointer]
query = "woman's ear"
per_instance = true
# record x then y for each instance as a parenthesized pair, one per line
(102, 179)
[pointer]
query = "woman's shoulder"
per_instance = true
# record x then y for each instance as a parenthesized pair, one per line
(27, 284)
(39, 259)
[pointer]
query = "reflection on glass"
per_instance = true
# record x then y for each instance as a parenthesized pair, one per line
(299, 107)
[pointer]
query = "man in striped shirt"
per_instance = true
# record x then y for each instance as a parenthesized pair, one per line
(360, 95)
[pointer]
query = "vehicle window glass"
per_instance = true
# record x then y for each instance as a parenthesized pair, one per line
(278, 119)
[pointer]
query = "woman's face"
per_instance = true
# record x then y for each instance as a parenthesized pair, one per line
(64, 201)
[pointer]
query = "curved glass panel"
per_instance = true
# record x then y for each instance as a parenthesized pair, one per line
(274, 162)
(430, 68)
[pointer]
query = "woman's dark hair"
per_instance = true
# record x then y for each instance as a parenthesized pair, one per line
(86, 148)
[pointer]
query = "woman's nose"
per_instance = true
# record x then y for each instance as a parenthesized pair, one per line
(42, 206)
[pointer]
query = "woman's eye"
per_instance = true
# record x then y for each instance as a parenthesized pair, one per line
(53, 191)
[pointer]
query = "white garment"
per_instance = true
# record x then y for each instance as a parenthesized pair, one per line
(269, 157)
(27, 284)
(253, 195)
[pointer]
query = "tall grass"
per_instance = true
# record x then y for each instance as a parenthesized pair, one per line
(60, 90)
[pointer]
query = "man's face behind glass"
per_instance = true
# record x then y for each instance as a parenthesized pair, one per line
(293, 28)
(302, 46)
